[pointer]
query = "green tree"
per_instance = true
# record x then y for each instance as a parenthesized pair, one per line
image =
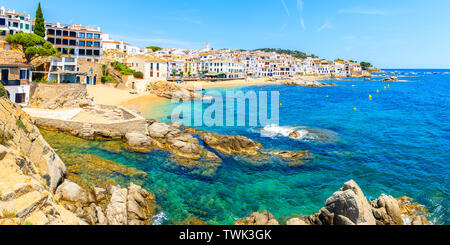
(39, 26)
(32, 45)
(154, 48)
(365, 65)
(3, 92)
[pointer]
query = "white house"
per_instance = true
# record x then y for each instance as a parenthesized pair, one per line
(16, 78)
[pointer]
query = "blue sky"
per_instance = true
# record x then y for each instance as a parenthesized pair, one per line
(390, 34)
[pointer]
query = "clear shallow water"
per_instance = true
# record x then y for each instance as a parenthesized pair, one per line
(397, 143)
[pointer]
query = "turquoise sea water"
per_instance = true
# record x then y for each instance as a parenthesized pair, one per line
(398, 143)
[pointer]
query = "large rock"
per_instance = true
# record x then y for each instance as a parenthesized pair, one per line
(17, 130)
(116, 212)
(141, 205)
(386, 211)
(72, 192)
(350, 202)
(263, 218)
(30, 171)
(138, 141)
(171, 90)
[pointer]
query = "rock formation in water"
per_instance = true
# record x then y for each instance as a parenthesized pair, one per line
(349, 206)
(172, 90)
(313, 84)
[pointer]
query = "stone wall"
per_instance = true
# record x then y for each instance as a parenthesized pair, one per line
(58, 96)
(113, 130)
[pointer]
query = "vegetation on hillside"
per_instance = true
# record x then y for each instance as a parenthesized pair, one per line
(154, 48)
(32, 45)
(39, 26)
(365, 65)
(123, 69)
(293, 53)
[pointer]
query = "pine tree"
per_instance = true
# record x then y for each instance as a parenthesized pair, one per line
(39, 26)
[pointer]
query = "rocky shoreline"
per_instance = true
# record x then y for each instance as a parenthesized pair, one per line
(349, 206)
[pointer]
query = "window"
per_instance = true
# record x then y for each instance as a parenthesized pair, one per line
(51, 32)
(15, 24)
(81, 35)
(89, 44)
(82, 52)
(21, 25)
(97, 36)
(23, 74)
(27, 26)
(73, 34)
(81, 43)
(72, 42)
(65, 33)
(58, 32)
(20, 98)
(58, 41)
(2, 22)
(97, 52)
(52, 40)
(88, 52)
(89, 35)
(96, 44)
(65, 42)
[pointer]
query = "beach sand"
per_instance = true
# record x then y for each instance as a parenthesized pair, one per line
(246, 82)
(108, 95)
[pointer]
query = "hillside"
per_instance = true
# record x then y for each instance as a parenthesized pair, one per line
(294, 53)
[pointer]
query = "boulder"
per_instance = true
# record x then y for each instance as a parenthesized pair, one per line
(72, 192)
(100, 194)
(138, 141)
(263, 218)
(386, 211)
(350, 202)
(116, 212)
(296, 221)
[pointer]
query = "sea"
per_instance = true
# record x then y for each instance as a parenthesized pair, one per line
(390, 137)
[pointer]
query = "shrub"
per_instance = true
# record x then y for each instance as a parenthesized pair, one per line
(108, 79)
(3, 92)
(138, 74)
(122, 68)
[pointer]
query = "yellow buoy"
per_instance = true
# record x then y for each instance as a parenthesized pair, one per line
(385, 88)
(370, 96)
(327, 96)
(281, 104)
(378, 90)
(389, 85)
(354, 109)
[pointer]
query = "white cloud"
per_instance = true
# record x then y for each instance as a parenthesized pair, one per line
(326, 25)
(286, 8)
(300, 13)
(359, 10)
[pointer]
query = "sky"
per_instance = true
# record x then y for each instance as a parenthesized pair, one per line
(389, 34)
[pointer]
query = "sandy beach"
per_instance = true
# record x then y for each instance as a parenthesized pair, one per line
(246, 82)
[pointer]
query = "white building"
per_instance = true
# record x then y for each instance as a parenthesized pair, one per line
(110, 44)
(16, 77)
(12, 22)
